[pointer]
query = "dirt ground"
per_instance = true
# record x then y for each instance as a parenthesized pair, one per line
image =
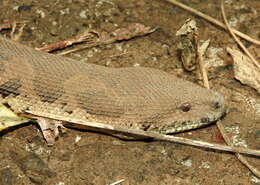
(89, 158)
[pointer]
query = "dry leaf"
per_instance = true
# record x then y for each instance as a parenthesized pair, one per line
(8, 118)
(245, 71)
(188, 27)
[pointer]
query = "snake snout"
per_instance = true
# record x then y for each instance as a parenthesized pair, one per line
(216, 105)
(219, 102)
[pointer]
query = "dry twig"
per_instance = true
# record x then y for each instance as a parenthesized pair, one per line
(162, 137)
(236, 39)
(87, 36)
(93, 38)
(201, 64)
(133, 30)
(214, 21)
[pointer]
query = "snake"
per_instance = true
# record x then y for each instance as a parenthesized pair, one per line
(60, 88)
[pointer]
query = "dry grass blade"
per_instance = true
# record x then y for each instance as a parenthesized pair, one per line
(236, 39)
(214, 21)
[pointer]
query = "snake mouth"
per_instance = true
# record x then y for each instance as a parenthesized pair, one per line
(186, 125)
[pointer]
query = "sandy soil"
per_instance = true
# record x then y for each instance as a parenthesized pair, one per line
(100, 159)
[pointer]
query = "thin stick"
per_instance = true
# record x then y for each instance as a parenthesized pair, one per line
(88, 125)
(79, 124)
(133, 30)
(236, 39)
(214, 21)
(201, 64)
(87, 36)
(203, 71)
(240, 157)
(93, 38)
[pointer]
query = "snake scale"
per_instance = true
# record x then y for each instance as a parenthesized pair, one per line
(59, 88)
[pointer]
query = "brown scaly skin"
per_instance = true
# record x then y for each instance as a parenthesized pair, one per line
(59, 88)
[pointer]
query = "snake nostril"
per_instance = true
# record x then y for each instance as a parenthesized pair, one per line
(216, 105)
(186, 107)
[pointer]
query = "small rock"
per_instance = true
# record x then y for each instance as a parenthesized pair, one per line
(35, 168)
(187, 162)
(24, 8)
(83, 14)
(32, 165)
(41, 13)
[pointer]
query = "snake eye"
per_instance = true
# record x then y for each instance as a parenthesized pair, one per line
(186, 107)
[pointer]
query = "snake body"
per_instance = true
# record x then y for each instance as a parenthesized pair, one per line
(59, 88)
